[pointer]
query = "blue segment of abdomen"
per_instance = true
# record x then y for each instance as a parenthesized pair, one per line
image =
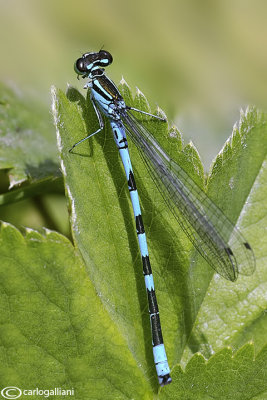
(160, 359)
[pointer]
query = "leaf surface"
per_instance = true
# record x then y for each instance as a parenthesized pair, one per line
(55, 332)
(27, 145)
(200, 311)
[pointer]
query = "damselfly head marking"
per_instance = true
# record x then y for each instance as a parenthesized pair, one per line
(92, 61)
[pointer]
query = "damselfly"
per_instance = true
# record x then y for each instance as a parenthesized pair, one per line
(211, 232)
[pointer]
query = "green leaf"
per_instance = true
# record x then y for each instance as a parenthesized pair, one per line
(55, 332)
(199, 310)
(225, 377)
(37, 188)
(27, 148)
(76, 318)
(232, 314)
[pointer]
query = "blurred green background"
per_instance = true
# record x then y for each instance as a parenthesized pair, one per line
(201, 61)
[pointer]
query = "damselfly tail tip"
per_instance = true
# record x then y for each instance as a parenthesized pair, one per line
(165, 380)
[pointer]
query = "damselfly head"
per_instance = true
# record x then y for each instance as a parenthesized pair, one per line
(91, 61)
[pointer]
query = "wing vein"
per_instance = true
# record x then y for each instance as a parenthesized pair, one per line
(216, 238)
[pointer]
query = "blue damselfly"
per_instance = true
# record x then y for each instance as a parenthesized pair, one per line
(211, 232)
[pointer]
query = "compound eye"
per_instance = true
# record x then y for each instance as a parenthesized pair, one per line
(79, 66)
(106, 56)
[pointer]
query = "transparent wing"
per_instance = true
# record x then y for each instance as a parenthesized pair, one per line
(211, 232)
